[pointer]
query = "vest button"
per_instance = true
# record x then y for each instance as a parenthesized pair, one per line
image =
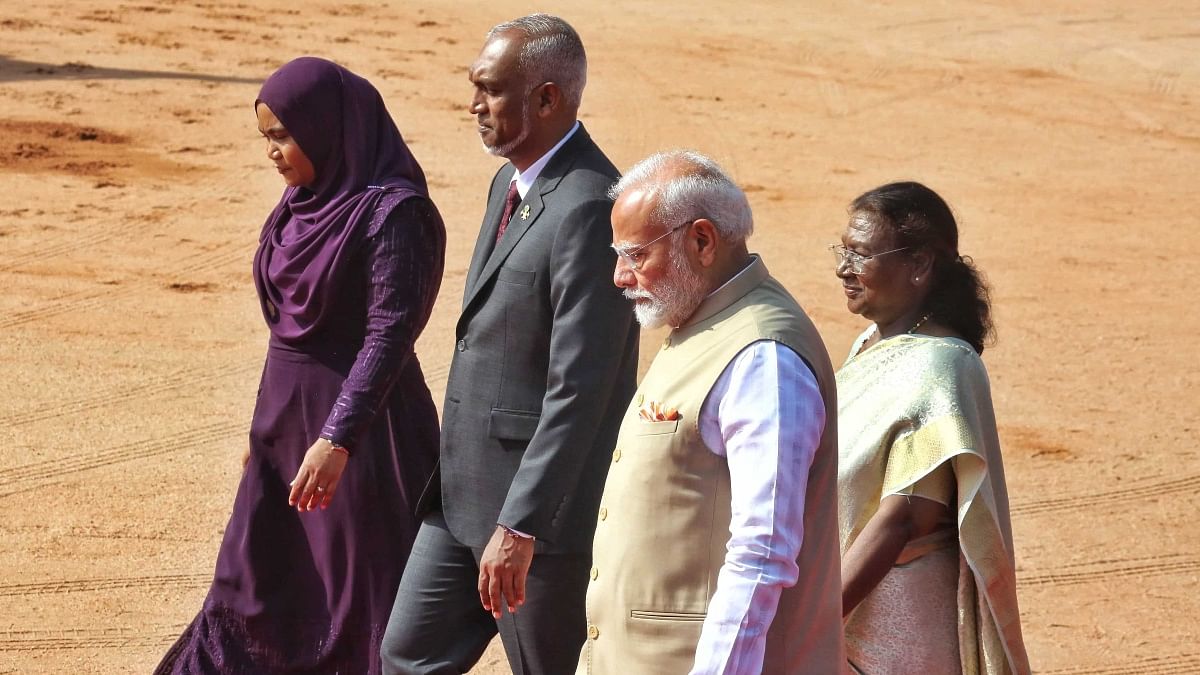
(593, 632)
(616, 455)
(462, 345)
(595, 573)
(603, 513)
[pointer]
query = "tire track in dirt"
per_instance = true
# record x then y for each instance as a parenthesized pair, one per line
(39, 474)
(63, 304)
(88, 638)
(92, 532)
(1163, 83)
(105, 584)
(1173, 664)
(98, 232)
(152, 386)
(1150, 488)
(44, 251)
(92, 298)
(221, 256)
(437, 374)
(1103, 570)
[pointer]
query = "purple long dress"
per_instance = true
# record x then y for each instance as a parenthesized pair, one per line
(347, 272)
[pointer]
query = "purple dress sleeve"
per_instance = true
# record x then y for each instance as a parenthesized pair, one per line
(404, 258)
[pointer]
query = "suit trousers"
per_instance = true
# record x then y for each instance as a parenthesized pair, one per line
(439, 626)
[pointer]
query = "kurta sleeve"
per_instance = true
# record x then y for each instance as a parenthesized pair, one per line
(765, 415)
(404, 258)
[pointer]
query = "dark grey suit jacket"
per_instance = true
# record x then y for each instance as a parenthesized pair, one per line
(545, 361)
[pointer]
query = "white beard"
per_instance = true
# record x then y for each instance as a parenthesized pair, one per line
(672, 300)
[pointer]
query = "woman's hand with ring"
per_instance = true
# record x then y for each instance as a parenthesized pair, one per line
(317, 479)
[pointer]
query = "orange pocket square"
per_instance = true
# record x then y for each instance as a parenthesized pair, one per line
(657, 412)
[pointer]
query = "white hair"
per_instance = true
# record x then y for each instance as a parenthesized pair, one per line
(551, 52)
(688, 186)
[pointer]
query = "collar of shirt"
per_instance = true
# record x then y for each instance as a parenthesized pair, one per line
(525, 178)
(754, 273)
(749, 263)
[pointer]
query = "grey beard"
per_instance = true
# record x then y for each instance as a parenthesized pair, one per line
(506, 149)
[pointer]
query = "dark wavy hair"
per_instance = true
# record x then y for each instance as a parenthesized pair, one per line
(919, 218)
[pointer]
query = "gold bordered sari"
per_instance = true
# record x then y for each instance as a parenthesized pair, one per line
(907, 406)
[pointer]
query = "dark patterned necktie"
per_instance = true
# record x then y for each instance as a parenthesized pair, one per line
(511, 199)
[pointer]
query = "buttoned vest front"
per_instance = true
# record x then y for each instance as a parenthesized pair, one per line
(664, 518)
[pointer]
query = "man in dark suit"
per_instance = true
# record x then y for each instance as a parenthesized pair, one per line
(544, 366)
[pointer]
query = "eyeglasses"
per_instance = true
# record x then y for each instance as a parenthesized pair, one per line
(632, 255)
(857, 262)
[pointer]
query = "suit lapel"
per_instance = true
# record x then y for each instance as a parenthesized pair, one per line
(487, 231)
(486, 262)
(523, 218)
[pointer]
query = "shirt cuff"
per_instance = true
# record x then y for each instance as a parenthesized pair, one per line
(516, 533)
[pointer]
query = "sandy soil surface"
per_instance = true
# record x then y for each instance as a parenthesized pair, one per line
(134, 184)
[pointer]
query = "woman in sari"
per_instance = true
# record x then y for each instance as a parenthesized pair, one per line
(928, 580)
(345, 433)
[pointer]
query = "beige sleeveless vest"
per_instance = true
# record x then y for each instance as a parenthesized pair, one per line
(663, 522)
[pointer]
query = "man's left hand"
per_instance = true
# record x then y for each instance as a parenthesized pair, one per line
(502, 571)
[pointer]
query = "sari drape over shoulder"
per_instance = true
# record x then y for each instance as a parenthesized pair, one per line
(908, 405)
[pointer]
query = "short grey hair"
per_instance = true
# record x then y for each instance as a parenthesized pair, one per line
(551, 52)
(689, 186)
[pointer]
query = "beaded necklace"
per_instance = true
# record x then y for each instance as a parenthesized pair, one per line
(919, 322)
(875, 332)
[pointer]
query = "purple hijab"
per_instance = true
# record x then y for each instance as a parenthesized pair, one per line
(340, 122)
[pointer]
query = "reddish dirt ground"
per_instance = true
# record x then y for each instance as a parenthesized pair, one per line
(1066, 136)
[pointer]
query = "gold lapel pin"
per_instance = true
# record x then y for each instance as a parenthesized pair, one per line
(525, 213)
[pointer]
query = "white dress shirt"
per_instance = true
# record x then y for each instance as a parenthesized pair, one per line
(765, 415)
(525, 178)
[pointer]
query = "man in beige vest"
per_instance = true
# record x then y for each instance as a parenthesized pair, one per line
(716, 546)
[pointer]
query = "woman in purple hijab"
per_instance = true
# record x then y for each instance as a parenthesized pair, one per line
(345, 434)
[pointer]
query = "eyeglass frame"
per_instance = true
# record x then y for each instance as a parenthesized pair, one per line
(856, 261)
(629, 255)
